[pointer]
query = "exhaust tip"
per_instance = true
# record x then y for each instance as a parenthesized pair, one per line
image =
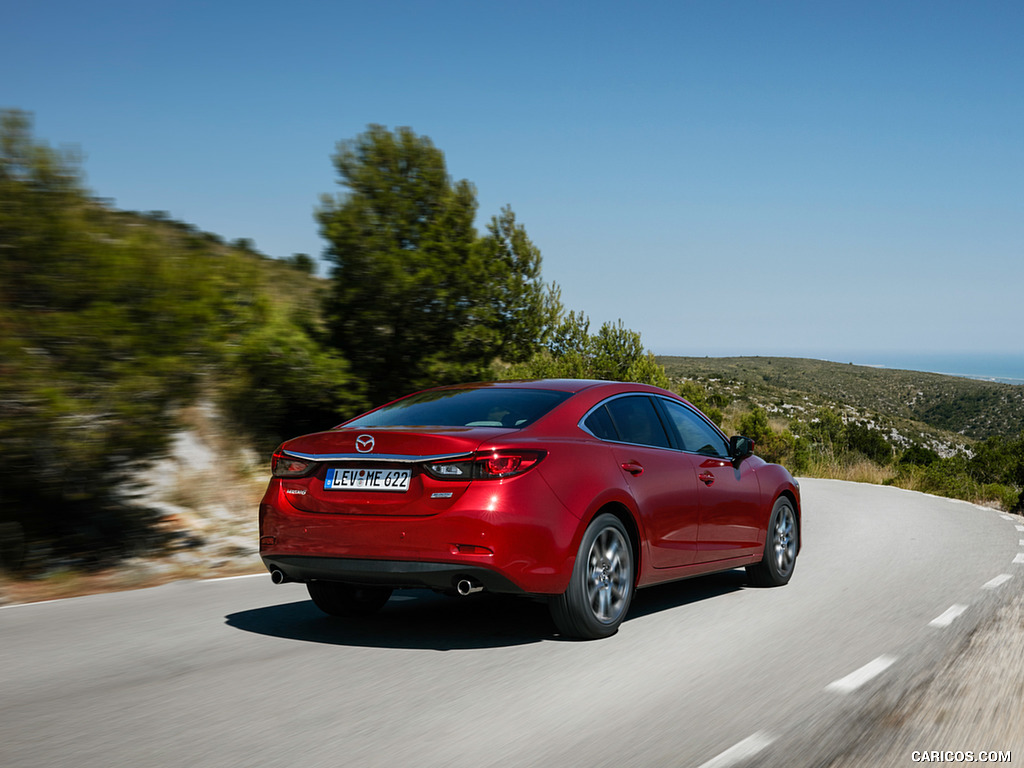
(467, 587)
(278, 576)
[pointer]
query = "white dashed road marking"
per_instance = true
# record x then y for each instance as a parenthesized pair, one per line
(1019, 558)
(747, 748)
(947, 618)
(855, 680)
(998, 581)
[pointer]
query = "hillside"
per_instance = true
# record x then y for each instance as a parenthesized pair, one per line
(918, 401)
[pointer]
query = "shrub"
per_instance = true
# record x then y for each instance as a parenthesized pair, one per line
(777, 447)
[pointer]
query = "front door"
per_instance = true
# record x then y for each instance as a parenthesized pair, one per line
(730, 498)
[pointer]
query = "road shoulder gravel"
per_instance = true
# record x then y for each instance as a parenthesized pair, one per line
(973, 703)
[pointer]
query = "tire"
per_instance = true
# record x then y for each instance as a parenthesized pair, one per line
(781, 545)
(338, 599)
(602, 583)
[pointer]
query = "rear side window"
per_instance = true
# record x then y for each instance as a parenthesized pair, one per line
(471, 407)
(600, 425)
(636, 421)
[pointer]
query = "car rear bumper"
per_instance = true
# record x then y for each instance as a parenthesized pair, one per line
(521, 540)
(396, 574)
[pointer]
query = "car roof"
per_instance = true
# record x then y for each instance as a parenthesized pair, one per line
(558, 385)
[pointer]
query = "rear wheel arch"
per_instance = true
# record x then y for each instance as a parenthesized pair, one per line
(626, 517)
(600, 590)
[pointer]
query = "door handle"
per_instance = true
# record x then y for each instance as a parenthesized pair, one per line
(633, 468)
(706, 477)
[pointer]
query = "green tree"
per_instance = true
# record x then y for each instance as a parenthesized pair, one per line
(868, 442)
(918, 455)
(698, 395)
(515, 303)
(1000, 460)
(417, 298)
(615, 353)
(283, 383)
(770, 445)
(303, 262)
(755, 425)
(828, 431)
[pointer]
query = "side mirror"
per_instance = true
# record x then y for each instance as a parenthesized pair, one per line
(740, 447)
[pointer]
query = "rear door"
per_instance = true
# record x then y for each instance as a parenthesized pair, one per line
(660, 478)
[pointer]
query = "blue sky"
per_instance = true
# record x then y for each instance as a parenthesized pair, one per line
(821, 179)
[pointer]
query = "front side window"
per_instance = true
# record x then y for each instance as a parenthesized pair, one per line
(697, 435)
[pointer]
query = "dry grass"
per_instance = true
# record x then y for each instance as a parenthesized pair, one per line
(860, 471)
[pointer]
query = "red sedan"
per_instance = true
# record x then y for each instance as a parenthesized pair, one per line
(581, 491)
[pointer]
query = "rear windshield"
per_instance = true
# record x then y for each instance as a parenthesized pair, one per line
(478, 407)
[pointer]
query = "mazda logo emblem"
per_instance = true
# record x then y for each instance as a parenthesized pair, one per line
(364, 443)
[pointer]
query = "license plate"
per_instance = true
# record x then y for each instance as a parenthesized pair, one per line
(394, 480)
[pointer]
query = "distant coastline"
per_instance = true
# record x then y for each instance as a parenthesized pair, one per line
(1005, 369)
(975, 376)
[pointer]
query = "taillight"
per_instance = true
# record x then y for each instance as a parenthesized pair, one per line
(506, 463)
(486, 465)
(501, 466)
(283, 465)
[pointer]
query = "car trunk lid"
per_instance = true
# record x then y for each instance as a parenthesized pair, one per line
(379, 471)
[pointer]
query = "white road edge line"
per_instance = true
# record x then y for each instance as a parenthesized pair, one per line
(1020, 528)
(1011, 518)
(37, 602)
(232, 578)
(66, 599)
(998, 581)
(747, 748)
(951, 614)
(856, 679)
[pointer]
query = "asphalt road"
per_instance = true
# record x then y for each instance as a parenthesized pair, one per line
(706, 672)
